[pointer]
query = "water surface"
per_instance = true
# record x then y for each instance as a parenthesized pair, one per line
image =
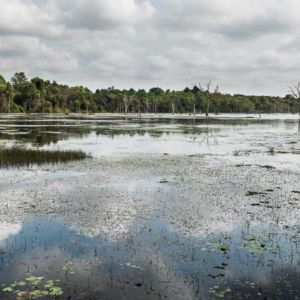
(166, 209)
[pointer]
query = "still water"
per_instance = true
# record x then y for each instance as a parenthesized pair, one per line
(166, 208)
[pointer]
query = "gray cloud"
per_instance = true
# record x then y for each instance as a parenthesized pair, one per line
(255, 28)
(245, 46)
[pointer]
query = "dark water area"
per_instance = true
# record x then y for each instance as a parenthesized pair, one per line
(248, 263)
(164, 208)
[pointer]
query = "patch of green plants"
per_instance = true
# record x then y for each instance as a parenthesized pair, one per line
(219, 293)
(216, 245)
(33, 287)
(68, 268)
(18, 157)
(254, 243)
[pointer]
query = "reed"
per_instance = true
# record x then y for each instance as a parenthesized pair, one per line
(18, 157)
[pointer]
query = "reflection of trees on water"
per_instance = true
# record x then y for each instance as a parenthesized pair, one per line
(53, 132)
(154, 133)
(44, 135)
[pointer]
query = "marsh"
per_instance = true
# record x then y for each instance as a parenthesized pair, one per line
(163, 207)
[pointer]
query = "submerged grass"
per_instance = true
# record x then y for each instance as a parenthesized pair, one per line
(18, 157)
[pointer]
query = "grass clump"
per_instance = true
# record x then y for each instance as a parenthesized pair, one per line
(18, 157)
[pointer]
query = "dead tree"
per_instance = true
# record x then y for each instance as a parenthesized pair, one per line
(207, 92)
(173, 108)
(295, 91)
(127, 101)
(147, 105)
(194, 105)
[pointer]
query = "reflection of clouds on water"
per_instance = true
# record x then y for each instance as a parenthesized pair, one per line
(7, 230)
(162, 208)
(92, 265)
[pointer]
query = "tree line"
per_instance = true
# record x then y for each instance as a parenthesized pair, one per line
(42, 96)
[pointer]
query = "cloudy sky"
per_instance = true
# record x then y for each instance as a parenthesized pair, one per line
(247, 46)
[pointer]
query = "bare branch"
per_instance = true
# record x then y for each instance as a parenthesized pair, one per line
(295, 90)
(127, 101)
(208, 86)
(216, 89)
(200, 87)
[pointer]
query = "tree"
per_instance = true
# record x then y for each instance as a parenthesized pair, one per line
(3, 98)
(40, 95)
(208, 94)
(2, 81)
(295, 90)
(10, 95)
(40, 86)
(127, 101)
(19, 79)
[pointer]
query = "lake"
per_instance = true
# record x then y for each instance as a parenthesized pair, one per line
(163, 207)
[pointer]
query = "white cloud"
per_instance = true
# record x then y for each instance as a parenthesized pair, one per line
(99, 14)
(23, 17)
(31, 55)
(246, 46)
(7, 230)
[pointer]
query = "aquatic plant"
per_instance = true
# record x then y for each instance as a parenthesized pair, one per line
(68, 268)
(18, 157)
(216, 245)
(219, 293)
(33, 287)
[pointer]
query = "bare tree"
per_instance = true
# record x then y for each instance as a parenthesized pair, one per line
(295, 91)
(139, 108)
(147, 105)
(194, 104)
(127, 101)
(208, 94)
(173, 108)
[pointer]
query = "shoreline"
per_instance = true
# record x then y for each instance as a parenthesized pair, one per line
(151, 116)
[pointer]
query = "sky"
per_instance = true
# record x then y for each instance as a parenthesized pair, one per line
(244, 46)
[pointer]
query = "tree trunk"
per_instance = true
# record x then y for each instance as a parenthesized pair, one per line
(207, 107)
(139, 110)
(194, 107)
(147, 105)
(8, 109)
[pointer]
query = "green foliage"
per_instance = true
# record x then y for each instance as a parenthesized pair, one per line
(2, 82)
(19, 79)
(34, 288)
(39, 95)
(8, 289)
(218, 292)
(55, 291)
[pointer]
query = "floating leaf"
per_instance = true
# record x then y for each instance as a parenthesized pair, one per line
(56, 291)
(8, 289)
(38, 294)
(21, 283)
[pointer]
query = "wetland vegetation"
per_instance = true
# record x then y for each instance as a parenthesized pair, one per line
(18, 156)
